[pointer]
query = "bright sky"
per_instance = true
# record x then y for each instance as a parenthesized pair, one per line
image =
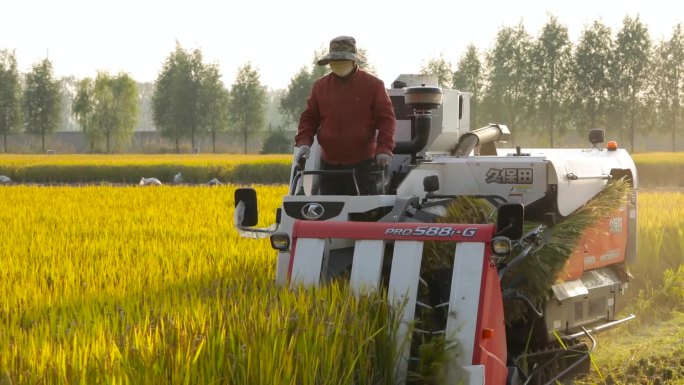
(279, 37)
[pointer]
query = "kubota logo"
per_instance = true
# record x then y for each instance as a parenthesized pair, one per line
(312, 211)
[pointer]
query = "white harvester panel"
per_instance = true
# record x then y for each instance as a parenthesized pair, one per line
(577, 175)
(367, 265)
(516, 179)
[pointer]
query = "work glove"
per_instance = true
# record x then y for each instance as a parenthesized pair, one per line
(302, 151)
(383, 160)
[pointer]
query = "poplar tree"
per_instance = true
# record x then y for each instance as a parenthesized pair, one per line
(41, 101)
(247, 103)
(10, 95)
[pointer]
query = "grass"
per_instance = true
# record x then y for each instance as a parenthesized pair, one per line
(652, 354)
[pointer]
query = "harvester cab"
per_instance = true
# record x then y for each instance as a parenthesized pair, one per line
(459, 236)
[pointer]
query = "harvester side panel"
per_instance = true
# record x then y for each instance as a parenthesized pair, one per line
(602, 244)
(517, 179)
(475, 304)
(490, 350)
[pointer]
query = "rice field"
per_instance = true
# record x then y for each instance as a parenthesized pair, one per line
(661, 233)
(660, 158)
(133, 285)
(153, 286)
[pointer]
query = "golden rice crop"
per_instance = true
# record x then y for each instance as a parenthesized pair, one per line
(152, 285)
(138, 285)
(659, 158)
(661, 237)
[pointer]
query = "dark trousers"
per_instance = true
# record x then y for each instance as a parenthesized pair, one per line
(366, 174)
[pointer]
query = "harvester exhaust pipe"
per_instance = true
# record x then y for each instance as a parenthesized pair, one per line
(423, 123)
(423, 99)
(484, 137)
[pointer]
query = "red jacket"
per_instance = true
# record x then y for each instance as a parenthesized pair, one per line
(346, 113)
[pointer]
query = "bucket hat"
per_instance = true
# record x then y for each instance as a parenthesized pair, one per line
(341, 48)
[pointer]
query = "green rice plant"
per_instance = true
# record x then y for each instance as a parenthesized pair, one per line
(130, 168)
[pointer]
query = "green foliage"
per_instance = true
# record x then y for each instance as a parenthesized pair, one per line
(630, 62)
(366, 65)
(667, 85)
(640, 354)
(107, 110)
(114, 110)
(41, 100)
(294, 101)
(10, 95)
(82, 108)
(672, 292)
(262, 172)
(661, 301)
(440, 68)
(188, 97)
(258, 173)
(434, 355)
(469, 76)
(168, 99)
(213, 103)
(246, 103)
(277, 143)
(591, 71)
(551, 56)
(508, 96)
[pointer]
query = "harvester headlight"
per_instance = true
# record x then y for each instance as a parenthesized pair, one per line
(501, 246)
(280, 241)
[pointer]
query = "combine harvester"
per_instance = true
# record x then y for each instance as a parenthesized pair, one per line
(377, 242)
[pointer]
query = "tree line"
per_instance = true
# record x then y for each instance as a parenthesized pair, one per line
(188, 99)
(542, 87)
(546, 86)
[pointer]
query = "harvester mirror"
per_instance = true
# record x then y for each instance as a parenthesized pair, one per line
(596, 136)
(510, 219)
(431, 183)
(249, 198)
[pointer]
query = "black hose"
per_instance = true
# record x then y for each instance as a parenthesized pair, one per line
(415, 145)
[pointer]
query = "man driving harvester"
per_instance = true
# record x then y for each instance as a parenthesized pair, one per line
(350, 112)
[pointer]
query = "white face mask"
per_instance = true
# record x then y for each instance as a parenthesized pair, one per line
(342, 68)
